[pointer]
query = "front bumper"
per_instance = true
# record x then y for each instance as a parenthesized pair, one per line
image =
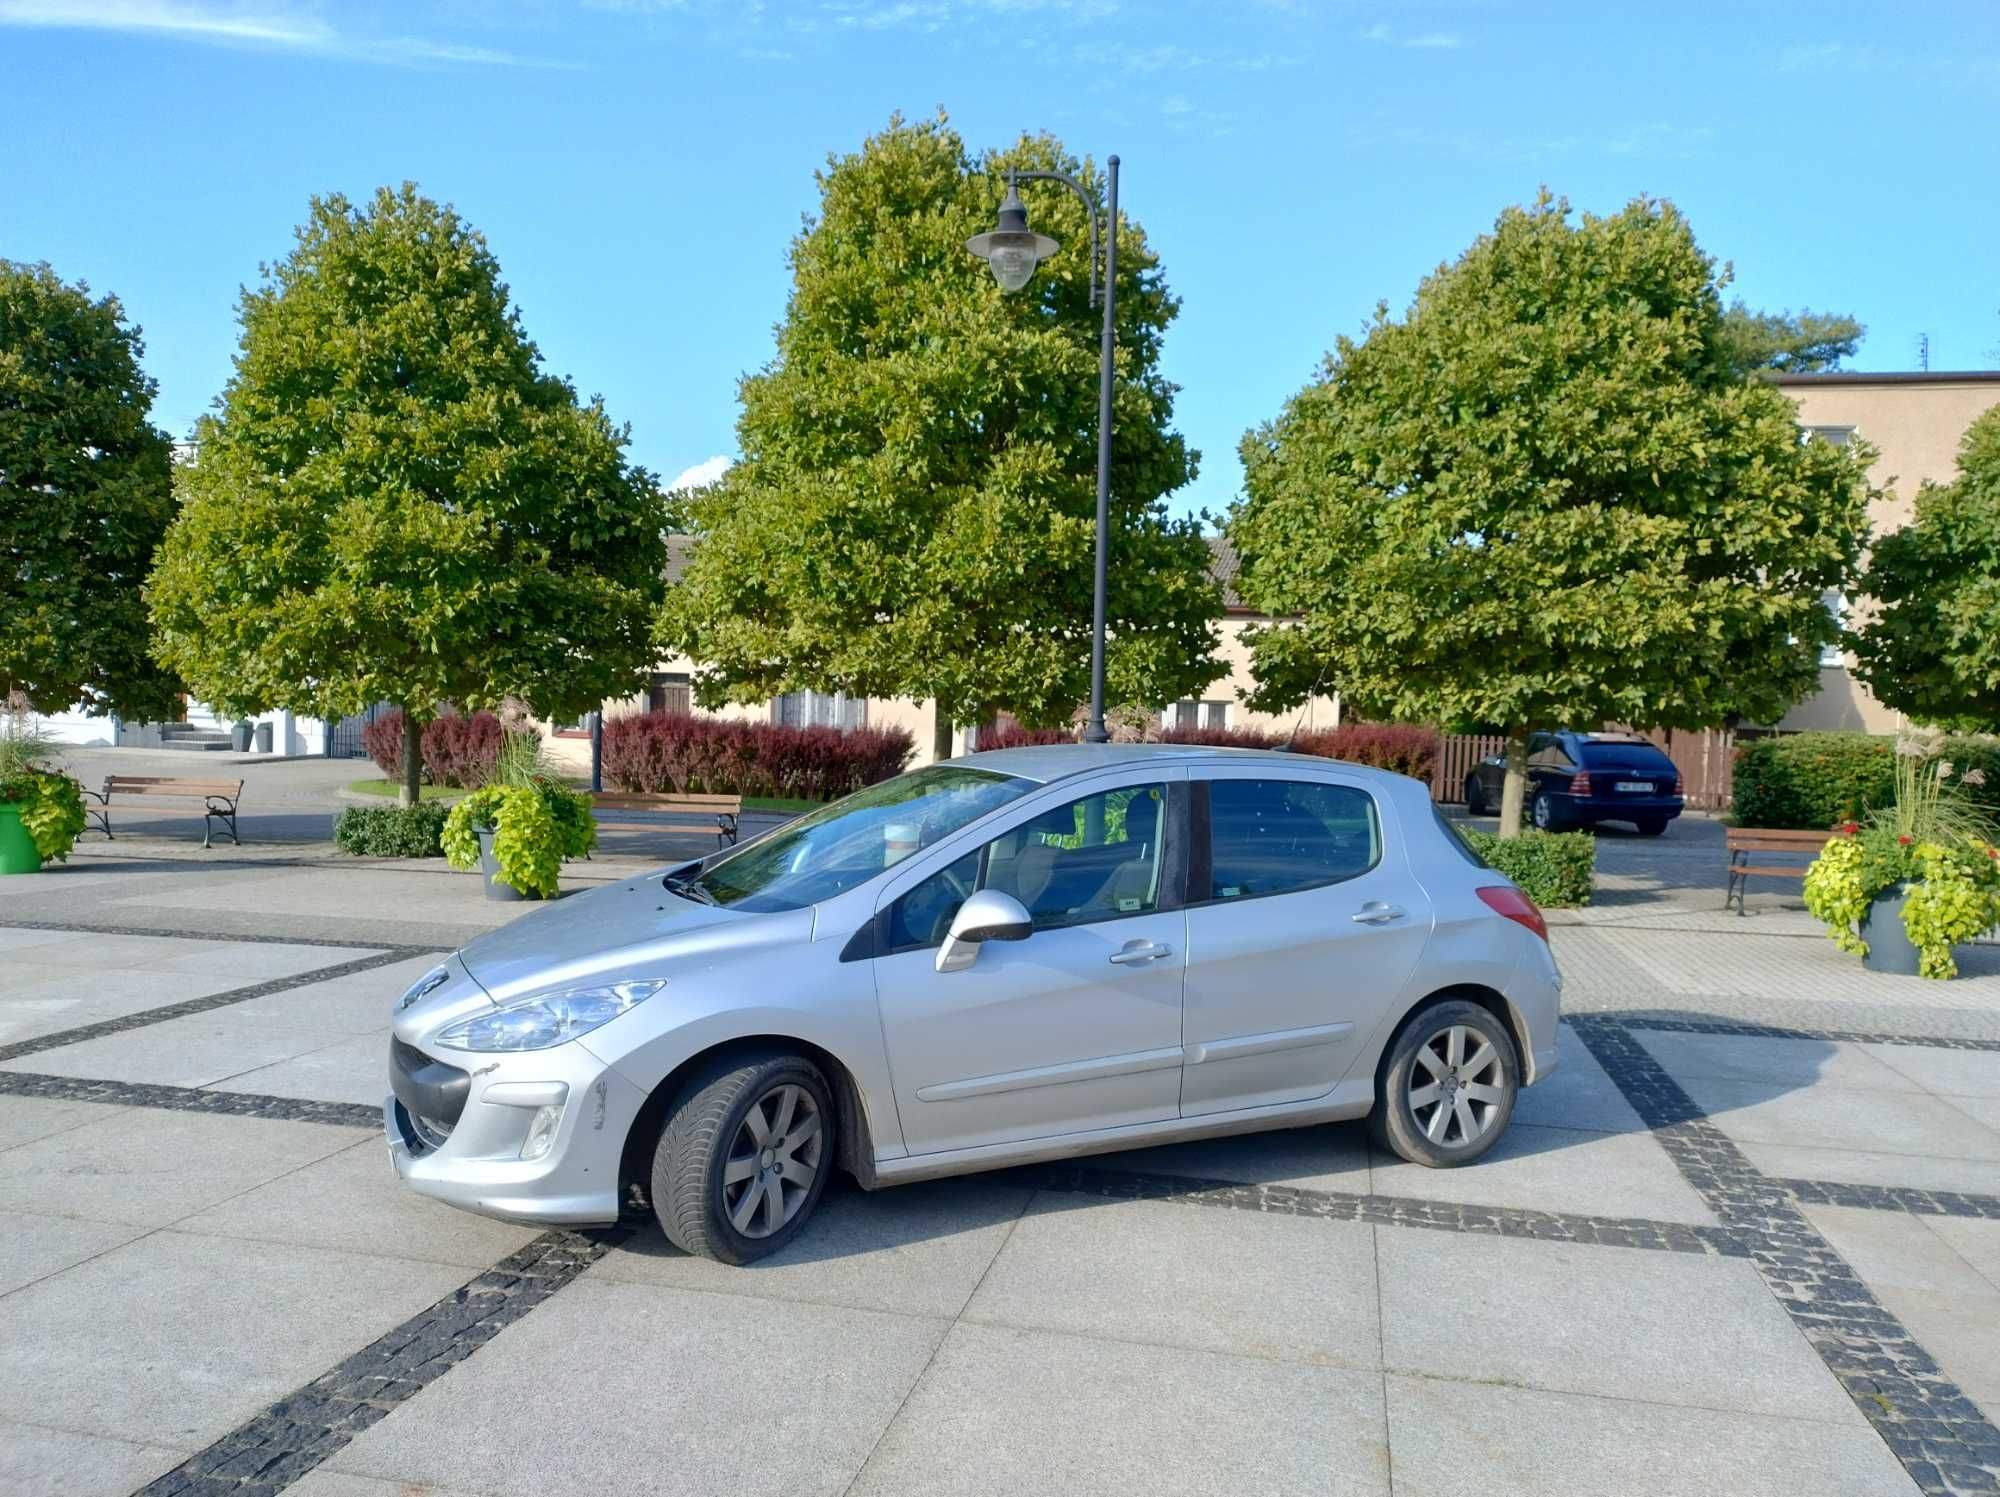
(476, 1163)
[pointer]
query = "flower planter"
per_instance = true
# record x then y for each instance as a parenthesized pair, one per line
(1890, 948)
(18, 853)
(489, 868)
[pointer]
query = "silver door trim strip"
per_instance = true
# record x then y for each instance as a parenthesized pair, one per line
(1264, 1044)
(1137, 1063)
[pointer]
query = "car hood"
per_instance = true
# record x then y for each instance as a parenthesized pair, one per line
(627, 929)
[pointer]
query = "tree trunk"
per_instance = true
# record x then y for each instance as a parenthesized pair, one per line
(940, 734)
(1516, 783)
(413, 760)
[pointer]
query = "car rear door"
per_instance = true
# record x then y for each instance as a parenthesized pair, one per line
(1078, 1026)
(1304, 923)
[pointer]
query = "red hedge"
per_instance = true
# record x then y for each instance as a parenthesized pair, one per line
(458, 751)
(1013, 735)
(1401, 747)
(678, 753)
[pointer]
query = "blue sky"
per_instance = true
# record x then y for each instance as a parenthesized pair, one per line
(639, 165)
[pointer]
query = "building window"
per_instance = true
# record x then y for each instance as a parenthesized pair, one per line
(1836, 604)
(1196, 715)
(669, 691)
(820, 709)
(1838, 436)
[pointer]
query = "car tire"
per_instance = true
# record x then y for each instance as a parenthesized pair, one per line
(1421, 1117)
(1651, 826)
(1475, 795)
(727, 1118)
(1543, 813)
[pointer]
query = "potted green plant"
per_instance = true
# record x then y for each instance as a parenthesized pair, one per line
(1904, 887)
(41, 809)
(519, 829)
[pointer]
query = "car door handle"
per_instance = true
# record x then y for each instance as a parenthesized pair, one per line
(1378, 914)
(1140, 951)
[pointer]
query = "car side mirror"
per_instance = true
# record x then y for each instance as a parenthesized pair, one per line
(989, 915)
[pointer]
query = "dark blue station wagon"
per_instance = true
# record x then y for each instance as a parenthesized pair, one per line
(1577, 779)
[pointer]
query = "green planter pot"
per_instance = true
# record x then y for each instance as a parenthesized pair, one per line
(18, 853)
(1890, 948)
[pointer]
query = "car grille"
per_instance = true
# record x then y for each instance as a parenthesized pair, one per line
(430, 1094)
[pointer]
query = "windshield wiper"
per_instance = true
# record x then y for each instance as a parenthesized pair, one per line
(687, 888)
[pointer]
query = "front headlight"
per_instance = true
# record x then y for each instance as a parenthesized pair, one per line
(542, 1023)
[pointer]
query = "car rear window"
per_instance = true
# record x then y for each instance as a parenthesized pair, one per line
(1624, 751)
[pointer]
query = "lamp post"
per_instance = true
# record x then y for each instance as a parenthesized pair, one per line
(1012, 250)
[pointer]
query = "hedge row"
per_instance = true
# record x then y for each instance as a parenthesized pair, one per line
(1554, 869)
(1399, 747)
(1813, 781)
(392, 831)
(683, 754)
(458, 751)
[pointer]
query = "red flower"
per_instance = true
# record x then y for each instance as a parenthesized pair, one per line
(1904, 840)
(1849, 828)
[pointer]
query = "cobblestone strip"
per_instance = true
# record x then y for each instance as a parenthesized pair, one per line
(182, 934)
(150, 1016)
(1893, 1198)
(1382, 1211)
(269, 1452)
(1942, 1438)
(1783, 1032)
(189, 1099)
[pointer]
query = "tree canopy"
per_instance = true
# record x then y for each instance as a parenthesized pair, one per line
(84, 498)
(1808, 343)
(1548, 498)
(913, 513)
(393, 502)
(1930, 643)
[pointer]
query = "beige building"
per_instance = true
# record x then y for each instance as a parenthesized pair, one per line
(670, 688)
(1915, 423)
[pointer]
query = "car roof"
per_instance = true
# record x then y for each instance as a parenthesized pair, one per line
(1055, 761)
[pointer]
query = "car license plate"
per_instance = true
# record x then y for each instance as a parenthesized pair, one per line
(1640, 787)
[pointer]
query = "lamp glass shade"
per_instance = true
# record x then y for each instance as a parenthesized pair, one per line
(1013, 266)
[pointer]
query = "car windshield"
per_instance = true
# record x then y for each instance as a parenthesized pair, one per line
(851, 841)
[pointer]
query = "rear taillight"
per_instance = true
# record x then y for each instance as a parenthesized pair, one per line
(1579, 783)
(1678, 784)
(1505, 899)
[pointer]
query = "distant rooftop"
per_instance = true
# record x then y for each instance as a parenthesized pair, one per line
(1893, 377)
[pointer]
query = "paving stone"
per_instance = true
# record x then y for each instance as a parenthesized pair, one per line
(148, 1168)
(1895, 1250)
(698, 1393)
(355, 1069)
(70, 997)
(1961, 1330)
(1577, 1094)
(324, 1483)
(33, 1246)
(1266, 1286)
(360, 1003)
(1036, 1411)
(918, 1249)
(173, 1339)
(1832, 1117)
(1557, 1169)
(1664, 1328)
(1462, 1439)
(1976, 1241)
(195, 1050)
(1795, 1063)
(1330, 1156)
(353, 1200)
(36, 1462)
(25, 1119)
(1863, 1167)
(1942, 1072)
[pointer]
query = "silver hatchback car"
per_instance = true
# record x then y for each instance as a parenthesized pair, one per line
(1011, 957)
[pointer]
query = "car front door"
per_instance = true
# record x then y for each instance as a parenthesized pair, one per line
(1074, 1028)
(1305, 922)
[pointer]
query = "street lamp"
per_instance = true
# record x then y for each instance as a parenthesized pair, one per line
(1012, 250)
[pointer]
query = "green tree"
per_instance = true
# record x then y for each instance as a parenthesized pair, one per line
(1547, 497)
(84, 499)
(1930, 645)
(393, 502)
(913, 513)
(1809, 343)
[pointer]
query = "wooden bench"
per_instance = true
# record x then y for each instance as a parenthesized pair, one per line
(218, 798)
(717, 813)
(1768, 842)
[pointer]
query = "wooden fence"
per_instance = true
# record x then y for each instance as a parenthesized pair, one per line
(1705, 760)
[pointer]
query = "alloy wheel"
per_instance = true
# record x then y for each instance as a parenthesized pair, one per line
(1456, 1086)
(773, 1161)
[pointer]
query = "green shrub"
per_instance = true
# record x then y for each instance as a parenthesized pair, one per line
(392, 831)
(1554, 869)
(1979, 755)
(1812, 781)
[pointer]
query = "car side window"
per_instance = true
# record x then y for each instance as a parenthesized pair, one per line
(1277, 836)
(1550, 756)
(1093, 859)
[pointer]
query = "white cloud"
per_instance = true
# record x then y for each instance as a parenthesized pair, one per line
(1382, 35)
(270, 25)
(701, 473)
